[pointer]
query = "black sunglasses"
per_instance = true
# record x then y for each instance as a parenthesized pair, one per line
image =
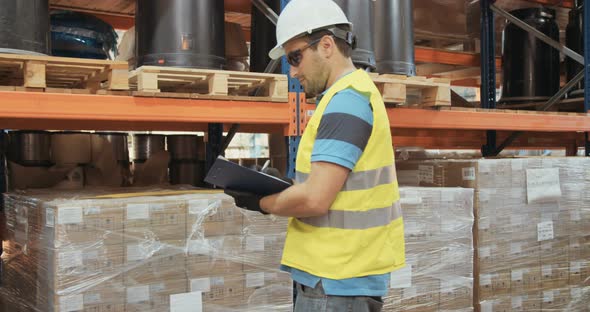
(294, 57)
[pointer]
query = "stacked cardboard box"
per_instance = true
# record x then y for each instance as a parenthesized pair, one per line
(531, 230)
(164, 250)
(439, 252)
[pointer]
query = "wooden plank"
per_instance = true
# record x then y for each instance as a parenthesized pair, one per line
(34, 76)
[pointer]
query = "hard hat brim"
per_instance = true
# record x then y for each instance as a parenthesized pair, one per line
(276, 52)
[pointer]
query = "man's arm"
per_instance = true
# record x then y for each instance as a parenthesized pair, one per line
(311, 198)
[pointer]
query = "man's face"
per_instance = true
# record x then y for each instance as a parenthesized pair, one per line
(312, 70)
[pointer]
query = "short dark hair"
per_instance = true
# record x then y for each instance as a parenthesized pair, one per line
(343, 46)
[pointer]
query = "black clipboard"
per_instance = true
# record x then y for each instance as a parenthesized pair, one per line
(229, 175)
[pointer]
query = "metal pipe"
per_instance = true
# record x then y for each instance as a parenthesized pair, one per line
(266, 10)
(541, 36)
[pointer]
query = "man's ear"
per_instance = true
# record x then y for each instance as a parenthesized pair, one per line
(328, 46)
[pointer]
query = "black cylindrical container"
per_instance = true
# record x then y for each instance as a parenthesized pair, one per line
(393, 36)
(119, 142)
(145, 145)
(187, 172)
(185, 147)
(180, 33)
(530, 67)
(262, 37)
(359, 14)
(24, 26)
(574, 39)
(29, 148)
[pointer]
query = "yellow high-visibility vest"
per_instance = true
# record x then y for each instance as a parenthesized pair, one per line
(363, 232)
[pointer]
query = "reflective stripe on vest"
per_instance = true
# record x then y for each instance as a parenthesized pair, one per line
(356, 220)
(361, 180)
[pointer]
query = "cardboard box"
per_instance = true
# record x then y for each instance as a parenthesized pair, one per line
(163, 220)
(265, 289)
(153, 296)
(219, 290)
(107, 299)
(147, 262)
(214, 255)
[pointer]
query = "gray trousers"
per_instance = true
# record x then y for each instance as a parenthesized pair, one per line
(314, 299)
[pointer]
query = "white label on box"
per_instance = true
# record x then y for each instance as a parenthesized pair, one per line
(201, 284)
(217, 281)
(157, 207)
(71, 303)
(485, 252)
(576, 292)
(409, 292)
(138, 294)
(575, 215)
(542, 185)
(49, 217)
(69, 215)
(255, 279)
(70, 259)
(255, 243)
(468, 173)
(426, 173)
(547, 270)
(447, 196)
(487, 306)
(199, 247)
(92, 299)
(135, 253)
(545, 231)
(156, 288)
(517, 164)
(515, 248)
(91, 255)
(516, 302)
(91, 211)
(138, 211)
(187, 302)
(198, 206)
(485, 279)
(516, 275)
(410, 200)
(575, 267)
(401, 278)
(548, 296)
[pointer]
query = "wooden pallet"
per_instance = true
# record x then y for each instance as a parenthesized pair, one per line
(40, 72)
(512, 111)
(414, 91)
(211, 82)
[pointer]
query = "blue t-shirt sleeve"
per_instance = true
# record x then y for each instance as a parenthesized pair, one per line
(344, 130)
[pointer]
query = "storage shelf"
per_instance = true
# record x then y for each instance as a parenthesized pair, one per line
(410, 126)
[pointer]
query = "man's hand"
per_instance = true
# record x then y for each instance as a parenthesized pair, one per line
(246, 200)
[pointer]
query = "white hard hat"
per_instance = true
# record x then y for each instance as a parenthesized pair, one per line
(305, 16)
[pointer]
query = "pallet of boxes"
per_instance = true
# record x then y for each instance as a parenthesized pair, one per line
(128, 249)
(532, 227)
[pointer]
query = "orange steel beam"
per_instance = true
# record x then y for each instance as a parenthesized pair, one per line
(429, 55)
(485, 120)
(562, 3)
(32, 110)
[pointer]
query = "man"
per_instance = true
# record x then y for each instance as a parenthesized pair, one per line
(346, 231)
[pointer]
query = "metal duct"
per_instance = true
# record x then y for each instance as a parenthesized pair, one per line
(180, 33)
(262, 37)
(24, 26)
(145, 145)
(29, 148)
(359, 14)
(530, 67)
(393, 37)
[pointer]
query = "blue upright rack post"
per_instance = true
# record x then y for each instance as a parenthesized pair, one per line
(488, 70)
(295, 87)
(586, 27)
